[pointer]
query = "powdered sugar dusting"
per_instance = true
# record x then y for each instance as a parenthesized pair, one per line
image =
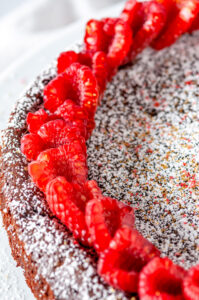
(145, 146)
(69, 269)
(144, 150)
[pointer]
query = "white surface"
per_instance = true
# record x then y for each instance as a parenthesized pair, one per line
(34, 22)
(12, 82)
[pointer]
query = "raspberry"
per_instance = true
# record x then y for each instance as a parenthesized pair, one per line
(97, 61)
(113, 36)
(94, 35)
(101, 70)
(51, 135)
(58, 132)
(66, 59)
(55, 92)
(195, 24)
(90, 127)
(130, 11)
(68, 204)
(68, 161)
(191, 284)
(92, 190)
(161, 279)
(179, 23)
(122, 262)
(154, 20)
(77, 83)
(85, 87)
(75, 114)
(104, 216)
(35, 120)
(31, 146)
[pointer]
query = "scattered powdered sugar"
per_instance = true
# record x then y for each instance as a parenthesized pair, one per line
(69, 269)
(145, 146)
(144, 150)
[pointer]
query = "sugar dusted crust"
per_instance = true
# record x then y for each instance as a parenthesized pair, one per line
(146, 137)
(56, 267)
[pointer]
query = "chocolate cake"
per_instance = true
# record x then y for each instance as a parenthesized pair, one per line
(144, 150)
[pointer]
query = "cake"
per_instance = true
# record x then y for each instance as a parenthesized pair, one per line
(143, 152)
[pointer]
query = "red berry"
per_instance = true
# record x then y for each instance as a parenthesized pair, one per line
(181, 21)
(51, 135)
(92, 190)
(121, 43)
(161, 279)
(191, 284)
(168, 5)
(195, 24)
(69, 111)
(65, 59)
(97, 61)
(85, 87)
(59, 132)
(67, 203)
(104, 216)
(101, 70)
(76, 83)
(130, 11)
(122, 262)
(68, 161)
(31, 145)
(154, 20)
(90, 127)
(113, 36)
(94, 35)
(35, 120)
(74, 114)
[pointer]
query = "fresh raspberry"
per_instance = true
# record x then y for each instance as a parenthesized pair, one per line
(59, 132)
(31, 145)
(92, 190)
(161, 279)
(55, 92)
(168, 4)
(195, 24)
(191, 284)
(130, 12)
(122, 262)
(101, 70)
(153, 22)
(52, 135)
(77, 83)
(69, 111)
(68, 203)
(35, 120)
(104, 216)
(66, 59)
(74, 114)
(94, 35)
(179, 23)
(97, 61)
(68, 161)
(85, 91)
(113, 36)
(90, 127)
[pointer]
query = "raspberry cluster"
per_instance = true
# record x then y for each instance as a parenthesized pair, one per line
(56, 148)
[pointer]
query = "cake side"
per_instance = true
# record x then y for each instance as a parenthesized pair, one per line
(40, 288)
(55, 265)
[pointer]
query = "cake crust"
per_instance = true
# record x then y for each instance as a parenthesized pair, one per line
(55, 265)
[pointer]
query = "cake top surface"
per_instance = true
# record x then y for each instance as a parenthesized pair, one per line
(144, 150)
